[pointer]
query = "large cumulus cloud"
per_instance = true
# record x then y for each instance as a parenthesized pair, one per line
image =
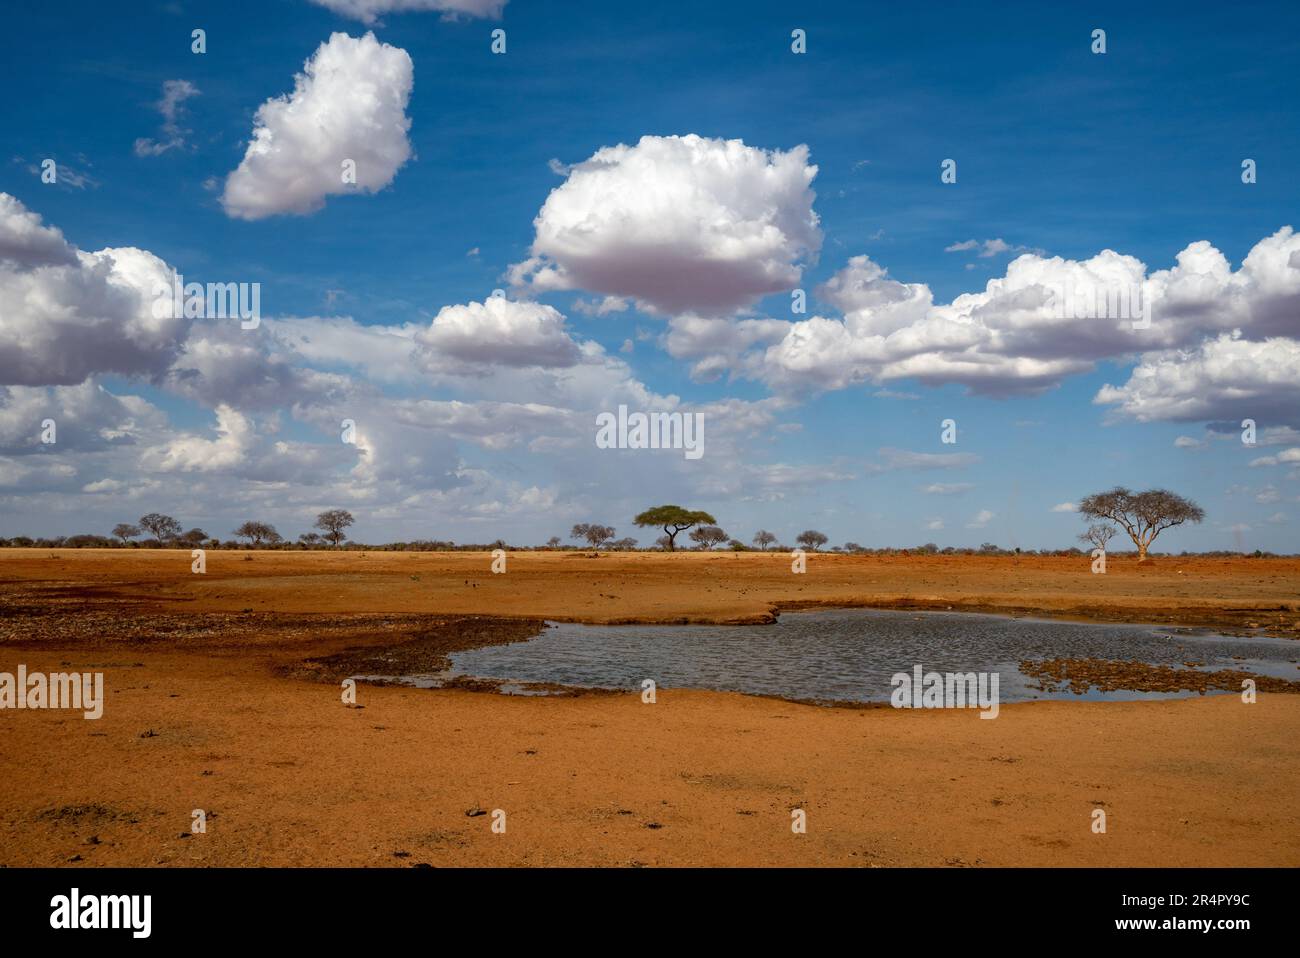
(679, 223)
(1224, 378)
(498, 331)
(66, 314)
(349, 103)
(1014, 336)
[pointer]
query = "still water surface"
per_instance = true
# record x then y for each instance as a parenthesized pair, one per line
(851, 654)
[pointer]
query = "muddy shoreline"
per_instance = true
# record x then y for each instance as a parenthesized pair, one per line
(384, 649)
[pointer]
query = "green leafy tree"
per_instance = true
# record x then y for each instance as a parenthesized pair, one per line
(124, 531)
(163, 528)
(673, 519)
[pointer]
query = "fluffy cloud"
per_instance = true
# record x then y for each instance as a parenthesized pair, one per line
(1227, 377)
(246, 369)
(381, 353)
(1283, 457)
(679, 223)
(863, 287)
(26, 243)
(717, 345)
(66, 314)
(87, 417)
(349, 103)
(498, 331)
(194, 453)
(1016, 336)
(491, 425)
(368, 11)
(28, 475)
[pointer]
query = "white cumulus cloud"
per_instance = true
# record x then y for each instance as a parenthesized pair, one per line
(1223, 378)
(499, 331)
(1014, 336)
(66, 314)
(348, 104)
(679, 223)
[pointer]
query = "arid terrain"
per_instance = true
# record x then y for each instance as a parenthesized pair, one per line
(222, 695)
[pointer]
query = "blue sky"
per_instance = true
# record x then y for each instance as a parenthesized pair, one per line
(1061, 153)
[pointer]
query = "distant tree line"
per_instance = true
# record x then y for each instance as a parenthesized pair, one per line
(165, 532)
(1143, 516)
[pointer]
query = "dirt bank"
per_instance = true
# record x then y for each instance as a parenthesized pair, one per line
(658, 587)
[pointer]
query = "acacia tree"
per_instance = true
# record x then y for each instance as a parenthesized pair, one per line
(763, 539)
(332, 523)
(124, 531)
(160, 527)
(257, 532)
(1143, 515)
(593, 533)
(707, 536)
(811, 538)
(673, 519)
(1098, 534)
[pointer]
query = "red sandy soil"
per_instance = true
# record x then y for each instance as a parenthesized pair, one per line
(237, 713)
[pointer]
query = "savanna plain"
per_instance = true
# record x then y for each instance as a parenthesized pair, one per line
(222, 694)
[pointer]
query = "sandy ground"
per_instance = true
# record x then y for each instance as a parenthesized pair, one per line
(696, 587)
(231, 711)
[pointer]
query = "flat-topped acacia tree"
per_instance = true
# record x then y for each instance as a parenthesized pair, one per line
(1143, 515)
(673, 519)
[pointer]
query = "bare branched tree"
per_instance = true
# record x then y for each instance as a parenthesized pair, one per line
(1143, 515)
(1098, 534)
(332, 522)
